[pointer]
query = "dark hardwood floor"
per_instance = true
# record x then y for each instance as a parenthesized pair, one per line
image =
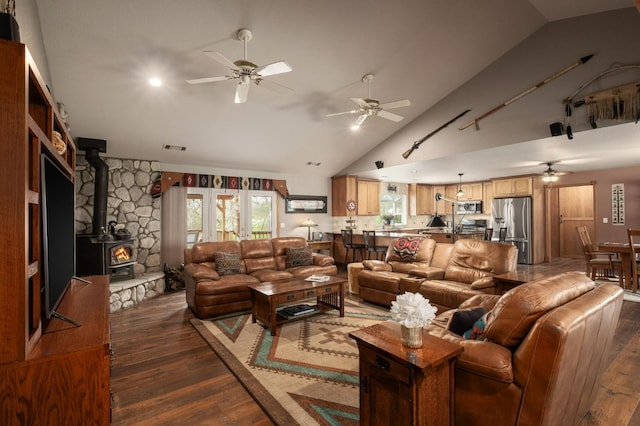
(164, 373)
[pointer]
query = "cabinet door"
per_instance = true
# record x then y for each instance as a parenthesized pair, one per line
(368, 198)
(522, 186)
(487, 197)
(424, 199)
(383, 399)
(450, 191)
(343, 189)
(438, 206)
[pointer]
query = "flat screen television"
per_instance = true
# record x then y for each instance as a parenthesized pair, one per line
(57, 207)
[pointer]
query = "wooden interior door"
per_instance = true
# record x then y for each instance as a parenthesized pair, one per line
(575, 208)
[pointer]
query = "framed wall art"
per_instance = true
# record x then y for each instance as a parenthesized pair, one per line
(305, 204)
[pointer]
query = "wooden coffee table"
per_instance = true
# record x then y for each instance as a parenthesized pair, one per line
(268, 296)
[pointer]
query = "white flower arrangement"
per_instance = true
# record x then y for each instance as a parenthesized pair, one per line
(412, 310)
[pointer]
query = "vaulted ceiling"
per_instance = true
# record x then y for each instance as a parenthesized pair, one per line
(102, 53)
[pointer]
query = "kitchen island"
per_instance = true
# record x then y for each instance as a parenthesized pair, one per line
(386, 237)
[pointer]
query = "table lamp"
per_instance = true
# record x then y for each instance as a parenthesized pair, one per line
(309, 223)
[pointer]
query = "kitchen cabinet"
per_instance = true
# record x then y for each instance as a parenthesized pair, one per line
(368, 197)
(472, 191)
(487, 197)
(450, 191)
(344, 194)
(513, 187)
(421, 199)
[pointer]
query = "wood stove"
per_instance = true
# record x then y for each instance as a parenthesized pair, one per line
(102, 253)
(101, 256)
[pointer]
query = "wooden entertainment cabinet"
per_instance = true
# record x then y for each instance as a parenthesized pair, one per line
(50, 372)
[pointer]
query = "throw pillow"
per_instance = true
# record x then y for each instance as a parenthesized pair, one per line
(476, 332)
(463, 319)
(406, 248)
(227, 263)
(302, 256)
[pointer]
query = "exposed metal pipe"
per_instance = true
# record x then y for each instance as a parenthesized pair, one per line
(92, 148)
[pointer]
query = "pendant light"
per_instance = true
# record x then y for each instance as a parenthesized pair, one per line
(460, 192)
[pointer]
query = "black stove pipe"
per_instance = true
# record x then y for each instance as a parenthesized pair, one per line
(92, 148)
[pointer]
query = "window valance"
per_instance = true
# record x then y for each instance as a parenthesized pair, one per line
(169, 179)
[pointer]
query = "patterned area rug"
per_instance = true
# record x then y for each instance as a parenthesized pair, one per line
(308, 373)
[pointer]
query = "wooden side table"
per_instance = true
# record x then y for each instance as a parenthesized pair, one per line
(404, 386)
(507, 281)
(321, 245)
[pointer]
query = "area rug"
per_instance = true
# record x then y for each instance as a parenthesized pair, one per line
(308, 373)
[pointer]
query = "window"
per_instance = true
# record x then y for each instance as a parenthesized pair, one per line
(222, 215)
(394, 206)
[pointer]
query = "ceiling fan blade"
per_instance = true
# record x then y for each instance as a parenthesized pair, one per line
(353, 111)
(220, 58)
(361, 119)
(272, 85)
(390, 116)
(360, 102)
(242, 93)
(274, 68)
(208, 79)
(396, 104)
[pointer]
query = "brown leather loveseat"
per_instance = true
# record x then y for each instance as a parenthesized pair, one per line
(446, 274)
(545, 351)
(217, 273)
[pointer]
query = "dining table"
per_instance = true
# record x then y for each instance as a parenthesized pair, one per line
(623, 250)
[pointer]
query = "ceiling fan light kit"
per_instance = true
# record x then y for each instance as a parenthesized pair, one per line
(245, 71)
(549, 175)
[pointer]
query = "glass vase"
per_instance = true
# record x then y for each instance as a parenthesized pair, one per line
(411, 336)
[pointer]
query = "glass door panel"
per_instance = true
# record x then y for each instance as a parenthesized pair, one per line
(227, 217)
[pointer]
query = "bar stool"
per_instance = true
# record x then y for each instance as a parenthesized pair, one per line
(347, 242)
(502, 235)
(370, 244)
(488, 234)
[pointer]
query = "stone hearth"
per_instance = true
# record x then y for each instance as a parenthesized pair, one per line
(128, 293)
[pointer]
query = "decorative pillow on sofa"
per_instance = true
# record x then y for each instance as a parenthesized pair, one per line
(227, 263)
(406, 248)
(463, 319)
(302, 256)
(476, 332)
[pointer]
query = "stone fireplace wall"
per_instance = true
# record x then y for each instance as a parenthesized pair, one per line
(129, 203)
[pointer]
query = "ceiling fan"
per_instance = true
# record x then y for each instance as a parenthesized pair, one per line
(550, 175)
(369, 106)
(245, 71)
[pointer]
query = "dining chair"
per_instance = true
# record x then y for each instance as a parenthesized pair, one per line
(371, 246)
(634, 240)
(502, 235)
(488, 234)
(599, 264)
(347, 242)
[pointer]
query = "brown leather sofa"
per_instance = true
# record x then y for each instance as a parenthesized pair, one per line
(210, 294)
(446, 274)
(545, 351)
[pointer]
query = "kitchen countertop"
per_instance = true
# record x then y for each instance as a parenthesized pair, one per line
(403, 232)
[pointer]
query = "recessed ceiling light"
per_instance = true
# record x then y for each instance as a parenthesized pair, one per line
(355, 127)
(155, 82)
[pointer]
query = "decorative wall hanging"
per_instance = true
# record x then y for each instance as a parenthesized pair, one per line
(169, 179)
(618, 103)
(617, 204)
(417, 144)
(306, 204)
(580, 61)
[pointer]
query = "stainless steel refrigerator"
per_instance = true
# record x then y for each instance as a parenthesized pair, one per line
(515, 215)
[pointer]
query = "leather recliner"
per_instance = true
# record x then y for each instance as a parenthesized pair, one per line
(545, 351)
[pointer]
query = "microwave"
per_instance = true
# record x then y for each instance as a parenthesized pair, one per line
(470, 207)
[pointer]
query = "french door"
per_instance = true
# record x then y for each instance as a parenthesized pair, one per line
(223, 215)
